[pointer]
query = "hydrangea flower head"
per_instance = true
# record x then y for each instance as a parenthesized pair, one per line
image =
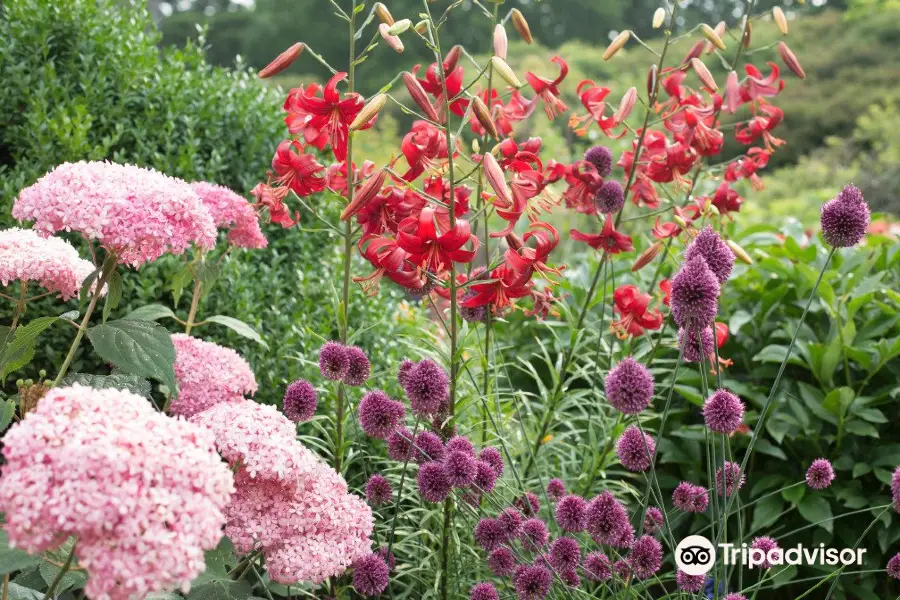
(138, 213)
(718, 256)
(629, 386)
(723, 412)
(635, 449)
(232, 211)
(695, 294)
(300, 401)
(845, 218)
(50, 262)
(820, 474)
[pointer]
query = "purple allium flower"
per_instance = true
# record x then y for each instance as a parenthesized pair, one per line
(370, 575)
(484, 591)
(688, 497)
(646, 556)
(629, 386)
(735, 597)
(653, 520)
(845, 218)
(403, 372)
(718, 256)
(570, 578)
(534, 534)
(359, 367)
(727, 478)
(530, 505)
(427, 387)
(400, 444)
(597, 567)
(428, 447)
(766, 544)
(472, 314)
(511, 519)
(532, 582)
(379, 415)
(695, 294)
(635, 449)
(485, 477)
(502, 562)
(601, 157)
(607, 519)
(571, 513)
(625, 539)
(333, 361)
(556, 489)
(300, 401)
(723, 412)
(565, 554)
(610, 198)
(693, 349)
(492, 456)
(622, 569)
(460, 468)
(895, 489)
(459, 443)
(434, 485)
(489, 534)
(378, 490)
(820, 474)
(388, 557)
(893, 566)
(690, 583)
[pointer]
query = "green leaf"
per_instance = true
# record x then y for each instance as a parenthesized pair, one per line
(138, 347)
(20, 592)
(162, 596)
(794, 494)
(7, 412)
(239, 327)
(13, 559)
(816, 509)
(774, 353)
(180, 281)
(221, 590)
(766, 512)
(119, 381)
(113, 293)
(860, 469)
(20, 351)
(150, 312)
(857, 427)
(837, 401)
(71, 580)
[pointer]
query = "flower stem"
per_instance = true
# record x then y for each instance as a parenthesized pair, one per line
(62, 572)
(20, 307)
(195, 303)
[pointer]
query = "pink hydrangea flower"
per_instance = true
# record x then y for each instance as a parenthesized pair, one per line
(208, 374)
(86, 459)
(232, 211)
(51, 262)
(139, 213)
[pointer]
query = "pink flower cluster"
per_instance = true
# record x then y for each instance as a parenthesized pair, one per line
(138, 213)
(288, 503)
(51, 262)
(233, 212)
(143, 493)
(208, 374)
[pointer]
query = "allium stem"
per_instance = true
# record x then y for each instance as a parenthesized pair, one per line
(59, 576)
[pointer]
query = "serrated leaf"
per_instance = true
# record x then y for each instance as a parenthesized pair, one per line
(150, 312)
(20, 350)
(162, 596)
(139, 347)
(13, 559)
(113, 293)
(20, 592)
(239, 327)
(71, 580)
(119, 381)
(221, 590)
(180, 281)
(7, 412)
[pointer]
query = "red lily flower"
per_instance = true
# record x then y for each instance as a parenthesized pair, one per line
(665, 287)
(633, 306)
(761, 127)
(666, 161)
(756, 86)
(336, 175)
(518, 108)
(272, 199)
(746, 168)
(298, 119)
(379, 216)
(431, 248)
(296, 170)
(390, 260)
(500, 290)
(721, 331)
(687, 215)
(584, 181)
(422, 147)
(548, 90)
(609, 240)
(593, 98)
(543, 302)
(726, 199)
(523, 258)
(642, 190)
(432, 84)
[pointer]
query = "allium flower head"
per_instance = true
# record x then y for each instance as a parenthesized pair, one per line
(718, 256)
(534, 534)
(529, 504)
(635, 449)
(565, 554)
(460, 468)
(607, 519)
(735, 597)
(532, 582)
(820, 474)
(427, 386)
(893, 566)
(359, 368)
(766, 544)
(378, 490)
(232, 211)
(502, 562)
(845, 218)
(629, 386)
(485, 477)
(727, 478)
(571, 513)
(601, 157)
(484, 591)
(689, 583)
(82, 455)
(433, 483)
(208, 374)
(300, 401)
(646, 557)
(695, 347)
(511, 519)
(334, 362)
(610, 198)
(723, 412)
(895, 489)
(403, 371)
(688, 497)
(570, 578)
(379, 416)
(492, 456)
(597, 567)
(138, 213)
(428, 447)
(370, 575)
(462, 444)
(622, 569)
(695, 294)
(556, 489)
(625, 539)
(400, 444)
(50, 262)
(653, 520)
(388, 557)
(489, 534)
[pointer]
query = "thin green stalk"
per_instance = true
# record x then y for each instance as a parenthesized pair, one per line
(195, 303)
(837, 576)
(62, 572)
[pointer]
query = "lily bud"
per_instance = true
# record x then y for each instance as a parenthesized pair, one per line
(790, 60)
(680, 222)
(710, 34)
(514, 241)
(282, 61)
(780, 20)
(452, 58)
(366, 192)
(392, 40)
(703, 74)
(421, 27)
(503, 70)
(739, 252)
(732, 92)
(695, 52)
(384, 15)
(719, 30)
(659, 17)
(652, 75)
(400, 27)
(616, 44)
(748, 32)
(501, 44)
(494, 175)
(521, 25)
(484, 117)
(369, 111)
(647, 257)
(417, 93)
(476, 147)
(626, 105)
